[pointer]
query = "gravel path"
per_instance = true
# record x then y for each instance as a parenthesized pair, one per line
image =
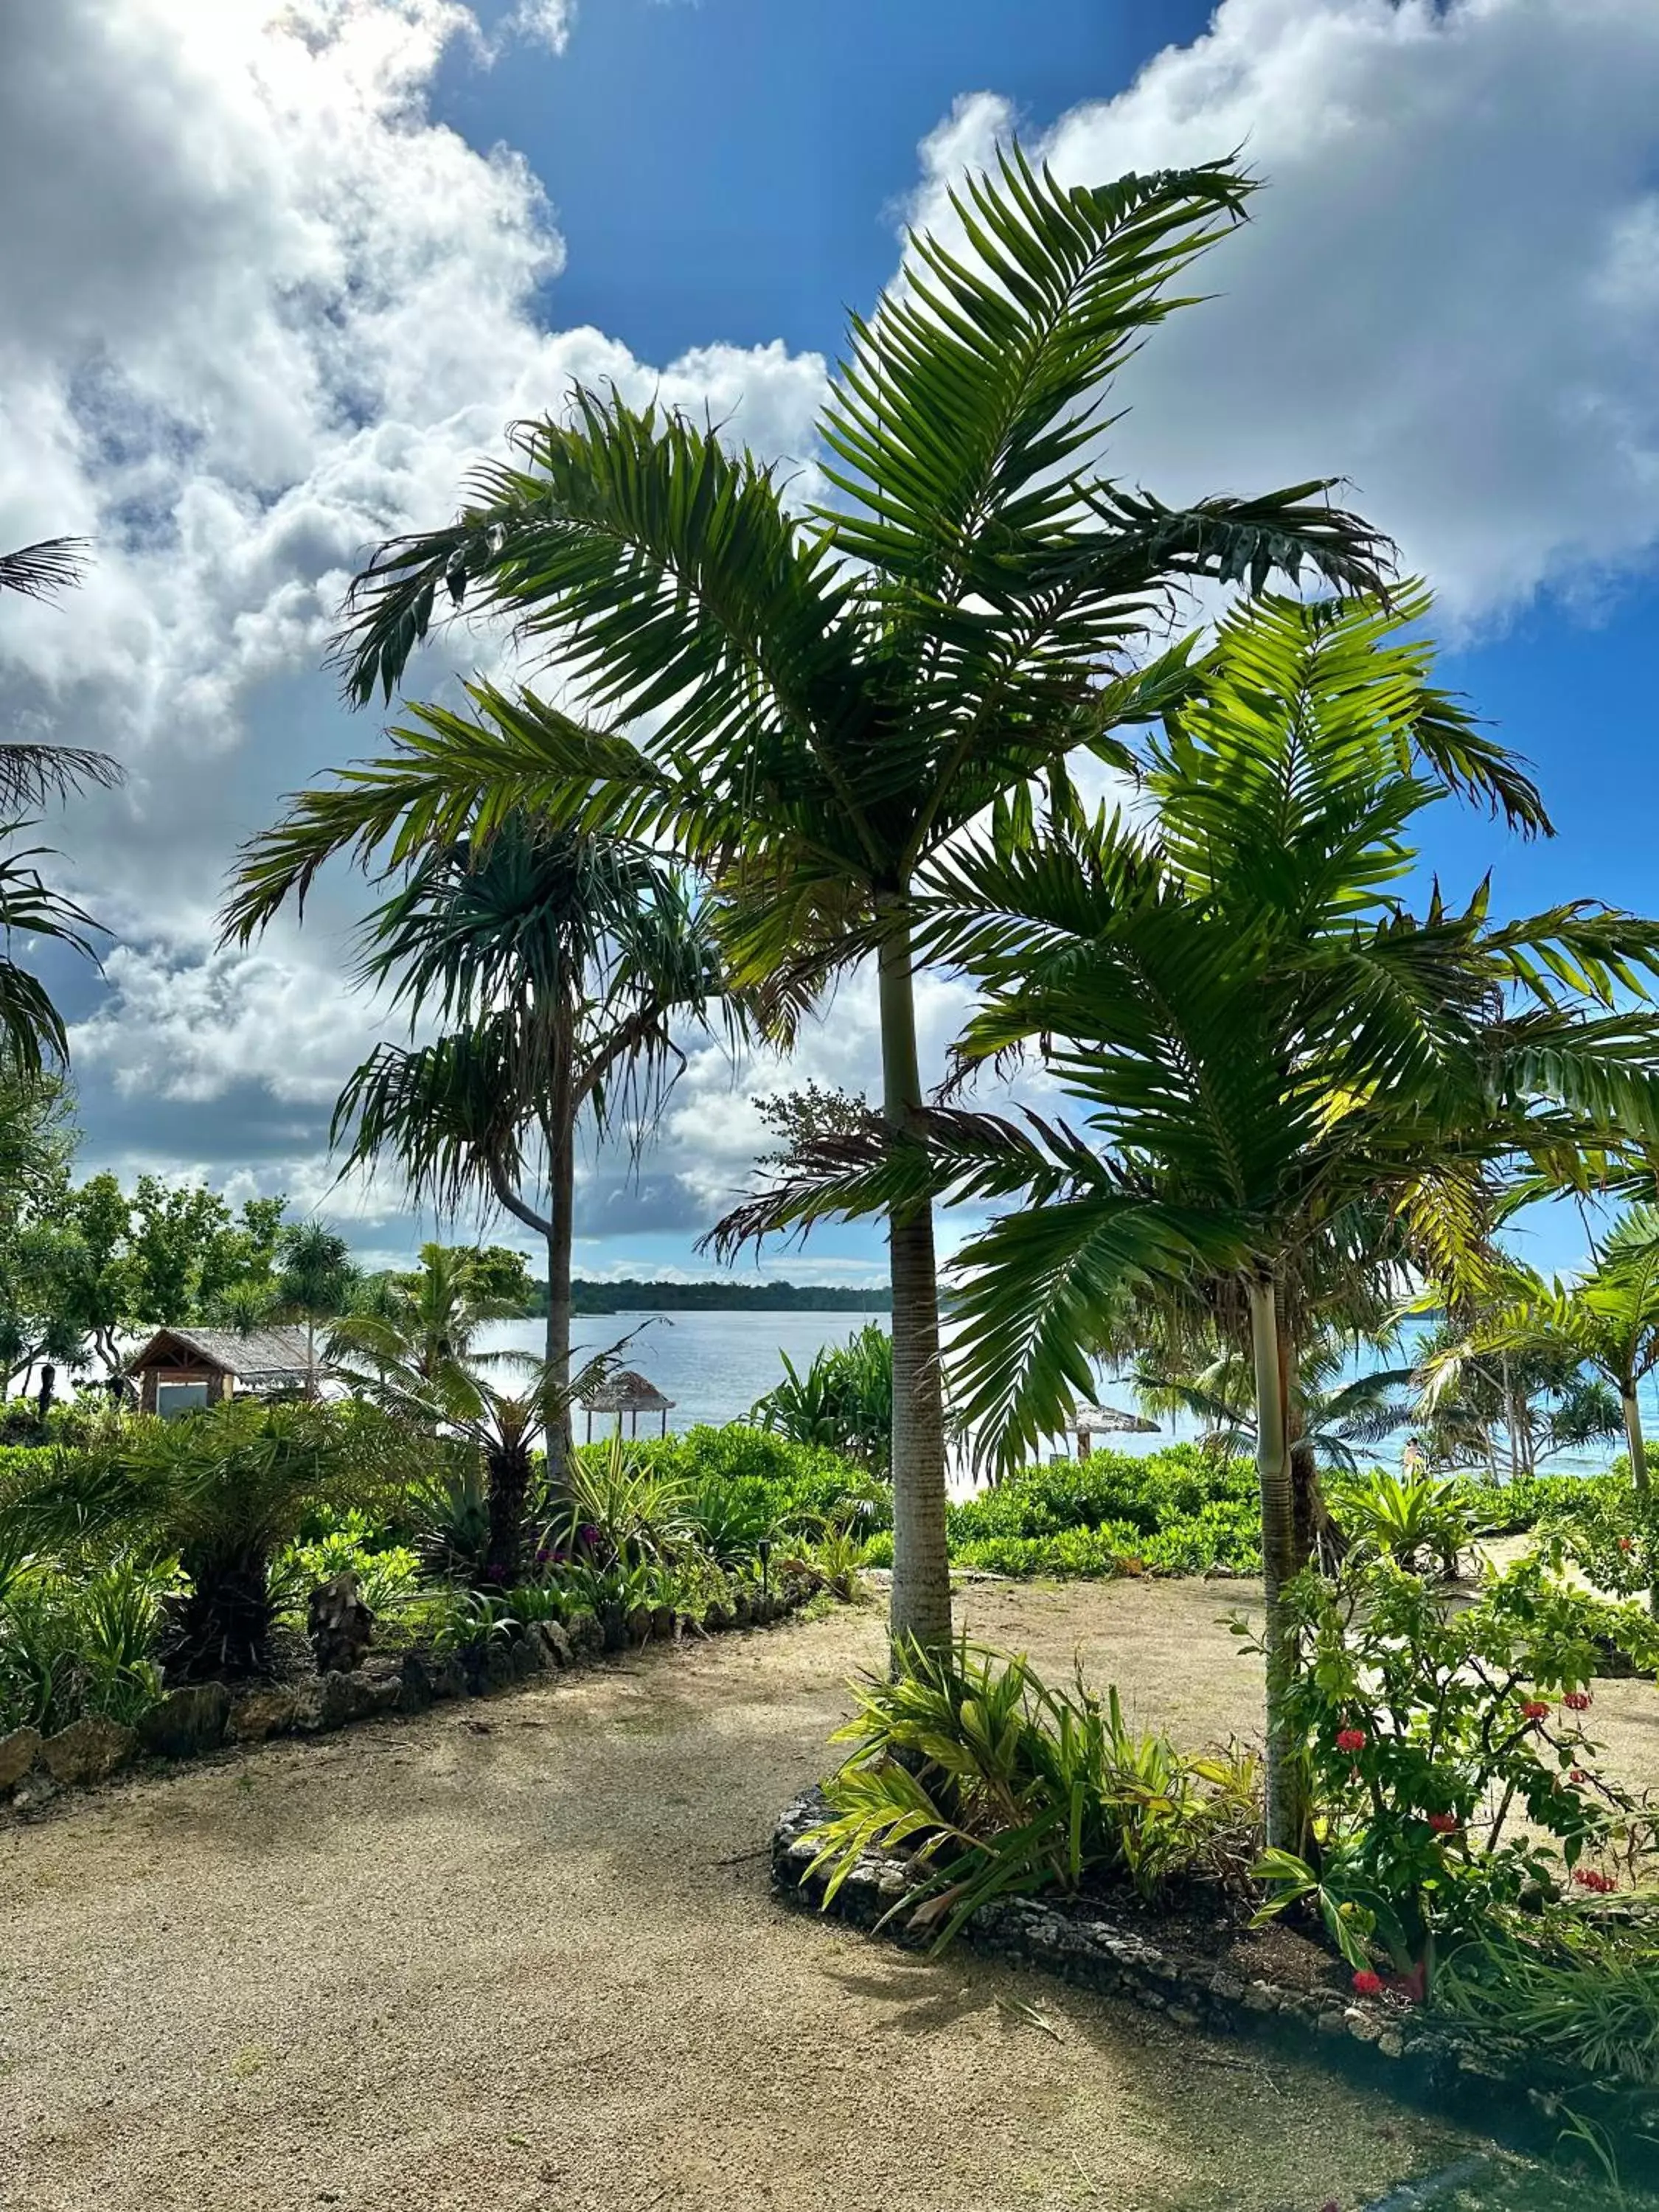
(523, 1955)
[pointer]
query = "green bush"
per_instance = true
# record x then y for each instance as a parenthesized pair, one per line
(81, 1643)
(999, 1784)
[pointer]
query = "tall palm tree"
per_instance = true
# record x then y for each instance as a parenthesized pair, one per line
(569, 959)
(833, 692)
(31, 1028)
(1283, 1069)
(314, 1282)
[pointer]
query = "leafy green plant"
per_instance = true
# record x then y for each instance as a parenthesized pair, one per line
(622, 1508)
(221, 1491)
(843, 1400)
(1610, 1531)
(449, 1516)
(386, 1574)
(997, 1785)
(1451, 1776)
(1415, 1519)
(81, 1642)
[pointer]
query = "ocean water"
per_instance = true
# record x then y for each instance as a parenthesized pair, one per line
(714, 1366)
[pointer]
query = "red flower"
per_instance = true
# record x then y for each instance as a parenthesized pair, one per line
(1444, 1824)
(1579, 1775)
(1350, 1739)
(1588, 1878)
(1367, 1983)
(1536, 1709)
(1625, 1544)
(1577, 1701)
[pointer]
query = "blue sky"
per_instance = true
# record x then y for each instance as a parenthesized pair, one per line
(313, 257)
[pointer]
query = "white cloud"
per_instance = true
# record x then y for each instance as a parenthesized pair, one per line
(1449, 289)
(270, 314)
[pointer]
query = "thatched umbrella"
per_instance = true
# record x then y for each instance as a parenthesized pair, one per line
(625, 1392)
(1092, 1421)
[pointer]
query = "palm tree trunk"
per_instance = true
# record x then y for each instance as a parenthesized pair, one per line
(921, 1607)
(1636, 1445)
(558, 1303)
(1278, 1561)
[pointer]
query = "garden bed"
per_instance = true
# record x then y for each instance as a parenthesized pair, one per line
(1268, 1983)
(199, 1718)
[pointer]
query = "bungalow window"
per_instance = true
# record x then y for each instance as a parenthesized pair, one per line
(173, 1399)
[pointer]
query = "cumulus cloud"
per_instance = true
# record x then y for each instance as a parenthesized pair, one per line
(1449, 292)
(269, 315)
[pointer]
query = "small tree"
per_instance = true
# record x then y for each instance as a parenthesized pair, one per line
(315, 1284)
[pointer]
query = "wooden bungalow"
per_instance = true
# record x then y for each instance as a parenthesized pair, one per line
(625, 1392)
(181, 1369)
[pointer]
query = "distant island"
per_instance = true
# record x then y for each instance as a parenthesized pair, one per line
(629, 1295)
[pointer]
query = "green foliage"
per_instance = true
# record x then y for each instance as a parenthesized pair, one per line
(805, 1485)
(387, 1574)
(1415, 1519)
(1451, 1774)
(1180, 1512)
(1610, 1532)
(81, 1643)
(998, 1784)
(448, 1514)
(222, 1490)
(844, 1400)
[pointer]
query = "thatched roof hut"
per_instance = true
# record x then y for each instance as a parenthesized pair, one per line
(625, 1392)
(180, 1369)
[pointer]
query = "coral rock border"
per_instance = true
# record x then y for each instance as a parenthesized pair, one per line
(1385, 2043)
(201, 1718)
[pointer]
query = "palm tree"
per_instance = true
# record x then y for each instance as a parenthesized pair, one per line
(833, 692)
(1286, 1073)
(568, 957)
(424, 1322)
(31, 1028)
(314, 1283)
(1608, 1321)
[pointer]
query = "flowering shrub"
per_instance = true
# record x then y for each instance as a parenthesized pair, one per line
(1611, 1534)
(1429, 1737)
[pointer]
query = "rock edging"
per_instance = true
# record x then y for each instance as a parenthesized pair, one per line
(1385, 2042)
(201, 1717)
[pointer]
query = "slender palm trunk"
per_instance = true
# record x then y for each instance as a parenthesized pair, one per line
(921, 1611)
(1636, 1444)
(562, 1200)
(1278, 1560)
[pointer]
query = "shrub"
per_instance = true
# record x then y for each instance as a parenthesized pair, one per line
(387, 1574)
(221, 1491)
(1000, 1785)
(843, 1400)
(1610, 1534)
(1429, 1732)
(83, 1644)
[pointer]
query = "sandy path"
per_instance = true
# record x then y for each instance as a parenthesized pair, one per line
(424, 1966)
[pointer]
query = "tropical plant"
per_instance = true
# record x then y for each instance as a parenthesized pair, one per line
(1293, 1085)
(833, 692)
(621, 1507)
(561, 960)
(221, 1491)
(316, 1283)
(1414, 1517)
(1452, 1775)
(996, 1785)
(843, 1400)
(31, 1028)
(1508, 1411)
(1606, 1321)
(424, 1322)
